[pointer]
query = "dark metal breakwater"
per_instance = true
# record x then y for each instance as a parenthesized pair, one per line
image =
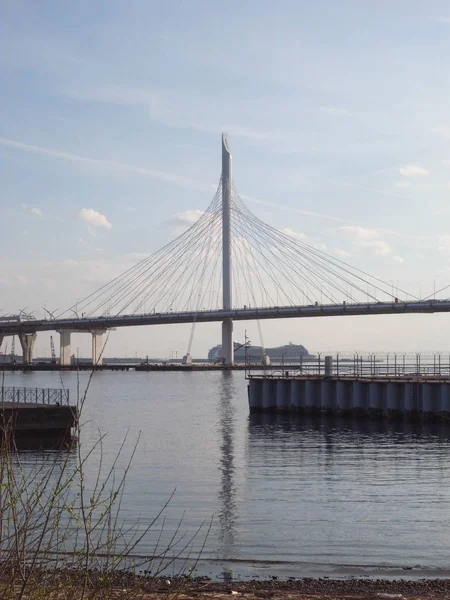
(395, 390)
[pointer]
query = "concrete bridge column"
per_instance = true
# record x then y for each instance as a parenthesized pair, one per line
(227, 342)
(27, 341)
(64, 347)
(97, 346)
(2, 337)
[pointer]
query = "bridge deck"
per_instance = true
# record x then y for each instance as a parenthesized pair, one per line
(239, 314)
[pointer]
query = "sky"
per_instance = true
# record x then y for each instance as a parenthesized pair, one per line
(338, 120)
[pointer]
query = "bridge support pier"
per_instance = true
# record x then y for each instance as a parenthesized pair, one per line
(97, 346)
(227, 342)
(27, 341)
(2, 337)
(64, 348)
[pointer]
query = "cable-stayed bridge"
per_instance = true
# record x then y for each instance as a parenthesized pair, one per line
(227, 266)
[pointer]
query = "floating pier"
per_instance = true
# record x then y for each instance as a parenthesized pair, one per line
(38, 414)
(371, 388)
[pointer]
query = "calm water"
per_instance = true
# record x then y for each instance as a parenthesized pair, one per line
(289, 497)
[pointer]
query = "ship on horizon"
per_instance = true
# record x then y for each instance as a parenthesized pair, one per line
(288, 352)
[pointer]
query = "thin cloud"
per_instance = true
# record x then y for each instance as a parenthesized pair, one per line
(299, 235)
(333, 218)
(178, 180)
(307, 213)
(359, 232)
(186, 218)
(398, 259)
(444, 243)
(33, 210)
(379, 246)
(333, 111)
(171, 115)
(363, 237)
(183, 220)
(136, 256)
(94, 220)
(413, 171)
(13, 280)
(21, 279)
(341, 253)
(376, 191)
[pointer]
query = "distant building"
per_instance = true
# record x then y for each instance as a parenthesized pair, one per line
(289, 353)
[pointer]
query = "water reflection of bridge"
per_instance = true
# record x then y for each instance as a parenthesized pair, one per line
(227, 494)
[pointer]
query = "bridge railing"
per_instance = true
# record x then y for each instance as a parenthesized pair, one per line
(23, 395)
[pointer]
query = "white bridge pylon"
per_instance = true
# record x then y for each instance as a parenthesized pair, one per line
(227, 324)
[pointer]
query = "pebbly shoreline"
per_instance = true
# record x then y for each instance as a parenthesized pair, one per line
(123, 585)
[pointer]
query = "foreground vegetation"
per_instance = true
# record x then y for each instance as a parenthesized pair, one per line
(61, 535)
